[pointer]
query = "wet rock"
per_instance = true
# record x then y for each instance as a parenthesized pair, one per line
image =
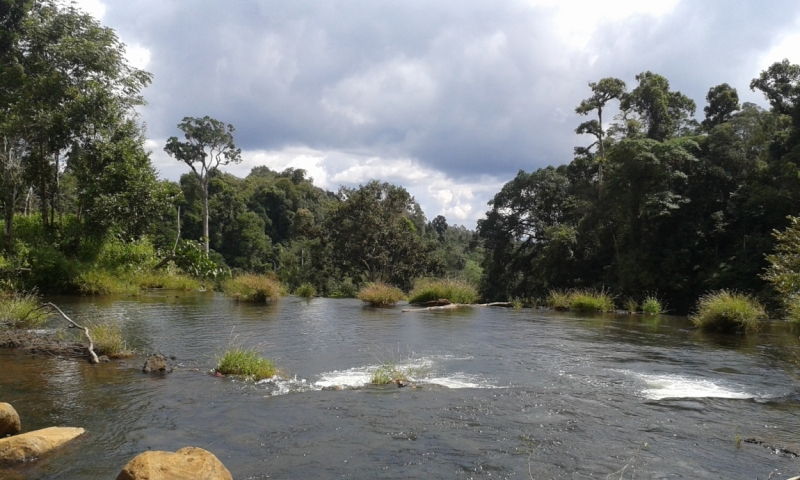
(333, 387)
(156, 364)
(104, 358)
(190, 463)
(31, 445)
(9, 420)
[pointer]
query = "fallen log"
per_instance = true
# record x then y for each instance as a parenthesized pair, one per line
(450, 306)
(497, 304)
(93, 356)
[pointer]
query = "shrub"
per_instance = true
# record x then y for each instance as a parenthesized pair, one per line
(306, 290)
(630, 305)
(591, 301)
(21, 310)
(252, 288)
(108, 340)
(245, 362)
(167, 281)
(517, 303)
(117, 255)
(652, 306)
(344, 289)
(428, 289)
(558, 300)
(727, 311)
(380, 294)
(793, 309)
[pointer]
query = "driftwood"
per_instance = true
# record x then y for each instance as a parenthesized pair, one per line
(92, 356)
(497, 304)
(450, 306)
(434, 303)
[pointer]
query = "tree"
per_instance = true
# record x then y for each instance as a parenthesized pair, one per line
(209, 145)
(661, 112)
(372, 236)
(723, 102)
(603, 91)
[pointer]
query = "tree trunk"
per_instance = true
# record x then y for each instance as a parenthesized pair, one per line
(206, 237)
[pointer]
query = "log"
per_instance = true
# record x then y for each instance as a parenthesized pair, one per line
(93, 356)
(497, 304)
(451, 306)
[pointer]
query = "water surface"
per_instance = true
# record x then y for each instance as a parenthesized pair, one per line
(500, 393)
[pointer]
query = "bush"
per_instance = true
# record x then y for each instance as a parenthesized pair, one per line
(167, 281)
(116, 255)
(108, 340)
(456, 291)
(252, 288)
(558, 300)
(652, 306)
(21, 310)
(247, 363)
(344, 289)
(380, 294)
(102, 282)
(306, 290)
(793, 309)
(591, 301)
(727, 311)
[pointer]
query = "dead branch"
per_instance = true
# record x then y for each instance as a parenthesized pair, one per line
(497, 304)
(93, 356)
(440, 307)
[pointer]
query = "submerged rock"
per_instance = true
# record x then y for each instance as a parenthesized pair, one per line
(9, 420)
(31, 445)
(190, 463)
(156, 364)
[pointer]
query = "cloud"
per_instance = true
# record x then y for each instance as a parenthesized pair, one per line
(460, 91)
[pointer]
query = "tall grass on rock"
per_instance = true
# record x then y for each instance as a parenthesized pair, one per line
(727, 311)
(21, 310)
(456, 291)
(108, 339)
(245, 362)
(306, 290)
(252, 288)
(379, 294)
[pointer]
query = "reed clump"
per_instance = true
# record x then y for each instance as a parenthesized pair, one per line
(379, 294)
(108, 340)
(22, 310)
(590, 300)
(245, 362)
(456, 291)
(252, 288)
(306, 290)
(652, 306)
(558, 300)
(392, 372)
(727, 311)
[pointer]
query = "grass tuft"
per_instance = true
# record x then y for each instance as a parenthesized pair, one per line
(630, 305)
(590, 300)
(21, 310)
(306, 290)
(652, 306)
(727, 311)
(392, 372)
(252, 288)
(108, 340)
(245, 362)
(379, 294)
(558, 300)
(167, 281)
(457, 291)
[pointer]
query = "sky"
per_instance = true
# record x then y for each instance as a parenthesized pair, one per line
(449, 99)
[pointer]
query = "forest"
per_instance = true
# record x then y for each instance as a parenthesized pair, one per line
(659, 204)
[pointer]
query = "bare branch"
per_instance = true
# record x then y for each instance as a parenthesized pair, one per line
(93, 356)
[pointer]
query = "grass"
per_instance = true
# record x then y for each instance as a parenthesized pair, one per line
(631, 306)
(652, 306)
(727, 311)
(391, 372)
(103, 282)
(558, 300)
(21, 310)
(252, 288)
(167, 281)
(108, 340)
(517, 303)
(379, 294)
(306, 290)
(587, 300)
(245, 362)
(456, 291)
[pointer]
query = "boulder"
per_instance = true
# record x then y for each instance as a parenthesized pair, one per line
(9, 420)
(156, 364)
(31, 445)
(190, 463)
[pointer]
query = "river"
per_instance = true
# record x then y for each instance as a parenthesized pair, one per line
(500, 393)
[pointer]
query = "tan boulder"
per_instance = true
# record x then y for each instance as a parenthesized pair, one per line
(31, 445)
(190, 463)
(9, 420)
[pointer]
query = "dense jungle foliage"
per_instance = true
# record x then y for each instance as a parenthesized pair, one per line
(658, 206)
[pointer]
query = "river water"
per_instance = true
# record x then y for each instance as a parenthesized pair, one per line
(500, 393)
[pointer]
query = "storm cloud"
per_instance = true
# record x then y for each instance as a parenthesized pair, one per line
(449, 99)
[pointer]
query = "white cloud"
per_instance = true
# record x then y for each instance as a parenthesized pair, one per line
(786, 47)
(95, 8)
(137, 55)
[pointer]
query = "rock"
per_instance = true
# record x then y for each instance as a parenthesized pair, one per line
(190, 463)
(332, 388)
(156, 364)
(104, 358)
(31, 445)
(9, 420)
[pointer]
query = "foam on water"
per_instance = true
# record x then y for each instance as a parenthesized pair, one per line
(664, 386)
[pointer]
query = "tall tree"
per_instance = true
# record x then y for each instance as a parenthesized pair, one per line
(661, 112)
(602, 92)
(723, 102)
(209, 145)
